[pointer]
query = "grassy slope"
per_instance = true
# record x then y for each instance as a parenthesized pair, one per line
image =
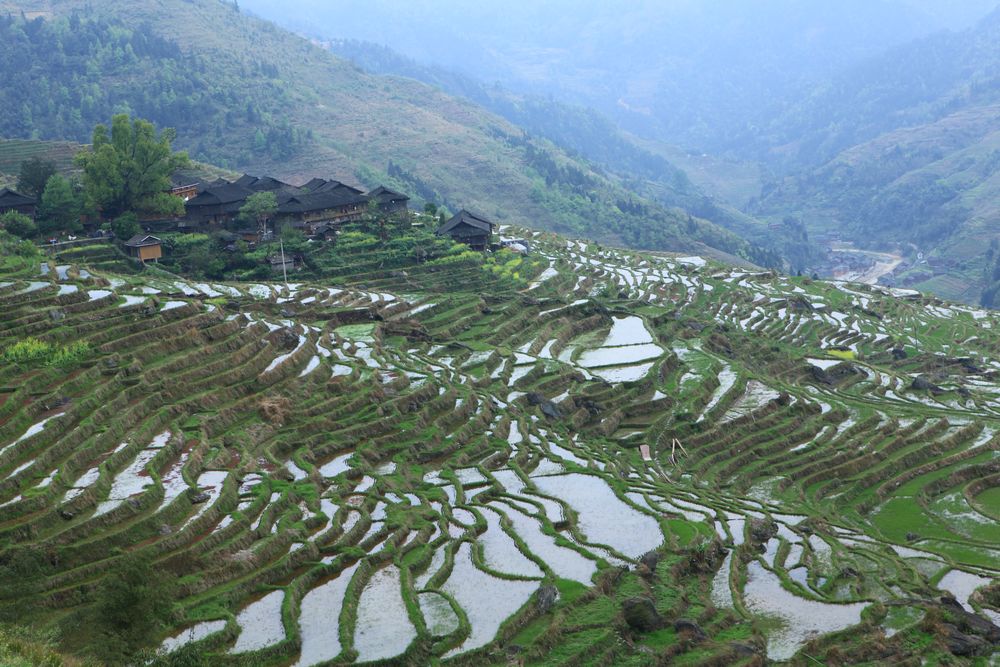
(361, 122)
(649, 168)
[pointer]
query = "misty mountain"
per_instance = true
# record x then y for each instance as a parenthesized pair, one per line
(910, 144)
(707, 74)
(581, 131)
(915, 83)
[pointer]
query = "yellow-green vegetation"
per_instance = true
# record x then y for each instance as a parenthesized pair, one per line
(34, 351)
(19, 648)
(509, 265)
(589, 454)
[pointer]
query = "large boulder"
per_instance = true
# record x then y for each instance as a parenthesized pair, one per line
(641, 614)
(683, 626)
(969, 622)
(546, 598)
(548, 408)
(962, 644)
(920, 383)
(761, 530)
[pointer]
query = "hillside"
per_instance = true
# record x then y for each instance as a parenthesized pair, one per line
(901, 153)
(585, 454)
(916, 83)
(940, 182)
(647, 168)
(61, 153)
(869, 123)
(249, 96)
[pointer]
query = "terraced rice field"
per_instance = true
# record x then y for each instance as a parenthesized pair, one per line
(404, 468)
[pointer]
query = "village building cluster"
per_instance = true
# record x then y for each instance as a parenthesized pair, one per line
(314, 207)
(317, 208)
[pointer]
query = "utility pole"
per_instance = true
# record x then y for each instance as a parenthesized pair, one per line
(284, 271)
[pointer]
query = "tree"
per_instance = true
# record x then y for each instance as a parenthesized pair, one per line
(35, 173)
(18, 224)
(59, 209)
(258, 208)
(376, 218)
(203, 259)
(431, 209)
(129, 169)
(125, 226)
(132, 603)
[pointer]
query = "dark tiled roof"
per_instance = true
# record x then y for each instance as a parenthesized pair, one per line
(463, 217)
(337, 186)
(384, 195)
(140, 240)
(10, 198)
(218, 195)
(263, 183)
(319, 201)
(314, 184)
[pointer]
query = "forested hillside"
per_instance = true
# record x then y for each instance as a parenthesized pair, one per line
(914, 84)
(71, 73)
(247, 95)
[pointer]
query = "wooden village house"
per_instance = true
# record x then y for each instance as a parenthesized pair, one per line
(308, 211)
(144, 247)
(390, 201)
(280, 262)
(470, 229)
(315, 207)
(15, 201)
(215, 206)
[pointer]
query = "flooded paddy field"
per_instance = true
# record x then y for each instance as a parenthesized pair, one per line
(627, 459)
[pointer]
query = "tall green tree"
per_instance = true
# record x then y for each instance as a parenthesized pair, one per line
(34, 174)
(59, 210)
(128, 169)
(258, 208)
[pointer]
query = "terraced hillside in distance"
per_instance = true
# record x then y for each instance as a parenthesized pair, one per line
(618, 459)
(15, 151)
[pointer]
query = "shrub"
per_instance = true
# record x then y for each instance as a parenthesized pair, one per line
(125, 226)
(18, 224)
(131, 606)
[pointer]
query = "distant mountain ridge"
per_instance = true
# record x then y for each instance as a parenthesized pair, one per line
(919, 82)
(705, 75)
